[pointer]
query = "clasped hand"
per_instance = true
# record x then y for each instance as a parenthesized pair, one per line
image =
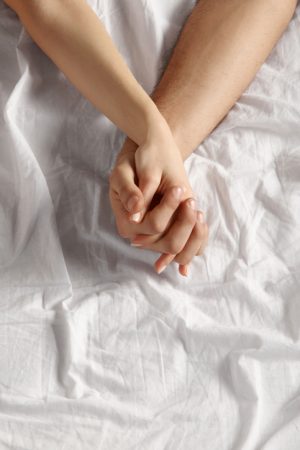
(153, 202)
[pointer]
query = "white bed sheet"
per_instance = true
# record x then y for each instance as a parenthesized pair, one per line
(97, 350)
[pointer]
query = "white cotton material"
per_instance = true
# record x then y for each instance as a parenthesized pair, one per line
(98, 351)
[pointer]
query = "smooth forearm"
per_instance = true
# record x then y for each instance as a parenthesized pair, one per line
(71, 34)
(219, 51)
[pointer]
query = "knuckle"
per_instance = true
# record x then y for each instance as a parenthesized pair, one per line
(156, 225)
(148, 176)
(174, 247)
(188, 216)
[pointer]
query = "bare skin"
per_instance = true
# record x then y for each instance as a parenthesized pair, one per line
(220, 49)
(71, 34)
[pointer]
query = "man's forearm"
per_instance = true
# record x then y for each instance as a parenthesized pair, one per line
(219, 51)
(71, 34)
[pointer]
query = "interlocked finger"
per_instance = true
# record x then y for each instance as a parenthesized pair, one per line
(158, 219)
(174, 240)
(196, 243)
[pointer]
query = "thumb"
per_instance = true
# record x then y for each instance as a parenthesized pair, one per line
(122, 181)
(148, 184)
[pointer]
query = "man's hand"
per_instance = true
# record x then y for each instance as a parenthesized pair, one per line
(145, 182)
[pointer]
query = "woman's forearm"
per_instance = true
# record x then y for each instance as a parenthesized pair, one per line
(71, 34)
(221, 47)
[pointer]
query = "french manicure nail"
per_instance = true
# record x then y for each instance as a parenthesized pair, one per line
(161, 269)
(136, 217)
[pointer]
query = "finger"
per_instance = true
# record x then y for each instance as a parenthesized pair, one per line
(176, 237)
(148, 185)
(194, 243)
(122, 180)
(121, 220)
(124, 227)
(204, 242)
(206, 234)
(183, 269)
(163, 261)
(157, 219)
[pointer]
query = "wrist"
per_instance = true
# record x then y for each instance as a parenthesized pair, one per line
(156, 126)
(182, 141)
(186, 138)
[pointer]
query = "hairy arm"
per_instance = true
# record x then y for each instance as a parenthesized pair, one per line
(222, 45)
(218, 53)
(72, 35)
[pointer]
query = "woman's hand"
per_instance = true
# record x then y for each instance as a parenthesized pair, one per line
(143, 198)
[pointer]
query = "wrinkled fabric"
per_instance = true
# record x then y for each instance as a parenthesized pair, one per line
(97, 350)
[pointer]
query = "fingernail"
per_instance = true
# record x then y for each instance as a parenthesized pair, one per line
(185, 270)
(135, 245)
(161, 269)
(200, 217)
(136, 217)
(192, 204)
(131, 202)
(177, 192)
